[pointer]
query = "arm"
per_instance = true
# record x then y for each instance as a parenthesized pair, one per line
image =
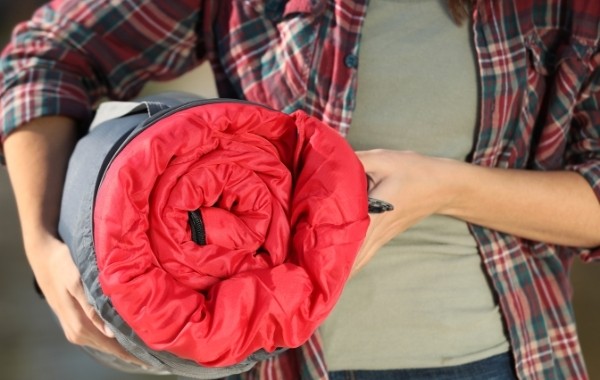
(37, 156)
(554, 207)
(62, 62)
(557, 207)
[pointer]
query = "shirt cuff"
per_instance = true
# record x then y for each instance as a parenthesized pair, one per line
(33, 98)
(591, 172)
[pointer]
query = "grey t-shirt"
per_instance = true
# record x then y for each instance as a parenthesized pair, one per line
(424, 299)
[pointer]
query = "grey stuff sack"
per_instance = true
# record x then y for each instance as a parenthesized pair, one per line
(115, 124)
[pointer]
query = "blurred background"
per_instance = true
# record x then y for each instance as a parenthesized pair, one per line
(32, 346)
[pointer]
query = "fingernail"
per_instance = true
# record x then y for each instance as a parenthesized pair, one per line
(108, 332)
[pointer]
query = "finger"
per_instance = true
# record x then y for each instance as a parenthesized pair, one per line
(87, 334)
(369, 246)
(65, 295)
(112, 347)
(91, 313)
(77, 292)
(71, 281)
(370, 162)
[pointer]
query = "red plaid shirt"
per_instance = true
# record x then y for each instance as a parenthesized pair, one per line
(540, 110)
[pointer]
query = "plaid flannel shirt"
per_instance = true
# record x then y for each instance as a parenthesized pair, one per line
(539, 110)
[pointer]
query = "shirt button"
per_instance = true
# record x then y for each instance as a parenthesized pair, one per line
(351, 61)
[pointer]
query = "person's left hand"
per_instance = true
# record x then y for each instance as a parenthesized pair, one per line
(416, 185)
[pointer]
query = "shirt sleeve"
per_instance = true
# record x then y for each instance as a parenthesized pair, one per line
(73, 53)
(583, 154)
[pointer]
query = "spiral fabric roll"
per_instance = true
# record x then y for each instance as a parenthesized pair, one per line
(213, 234)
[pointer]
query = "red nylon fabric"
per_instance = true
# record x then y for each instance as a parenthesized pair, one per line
(284, 202)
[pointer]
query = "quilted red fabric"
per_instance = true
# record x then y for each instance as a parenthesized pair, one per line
(284, 202)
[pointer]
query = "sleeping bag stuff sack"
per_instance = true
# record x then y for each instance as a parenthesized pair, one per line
(211, 234)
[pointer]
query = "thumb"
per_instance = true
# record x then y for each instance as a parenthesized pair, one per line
(368, 159)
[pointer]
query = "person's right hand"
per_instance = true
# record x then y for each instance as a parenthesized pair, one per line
(60, 282)
(36, 155)
(416, 185)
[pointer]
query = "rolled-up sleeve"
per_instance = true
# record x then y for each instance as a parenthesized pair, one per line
(584, 144)
(73, 53)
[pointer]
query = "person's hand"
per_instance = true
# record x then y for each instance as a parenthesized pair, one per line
(37, 155)
(416, 185)
(60, 282)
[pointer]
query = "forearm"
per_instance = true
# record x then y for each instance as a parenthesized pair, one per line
(37, 155)
(555, 207)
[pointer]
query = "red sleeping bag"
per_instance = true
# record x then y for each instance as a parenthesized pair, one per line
(281, 200)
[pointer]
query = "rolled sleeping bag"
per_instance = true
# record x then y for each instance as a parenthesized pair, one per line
(211, 234)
